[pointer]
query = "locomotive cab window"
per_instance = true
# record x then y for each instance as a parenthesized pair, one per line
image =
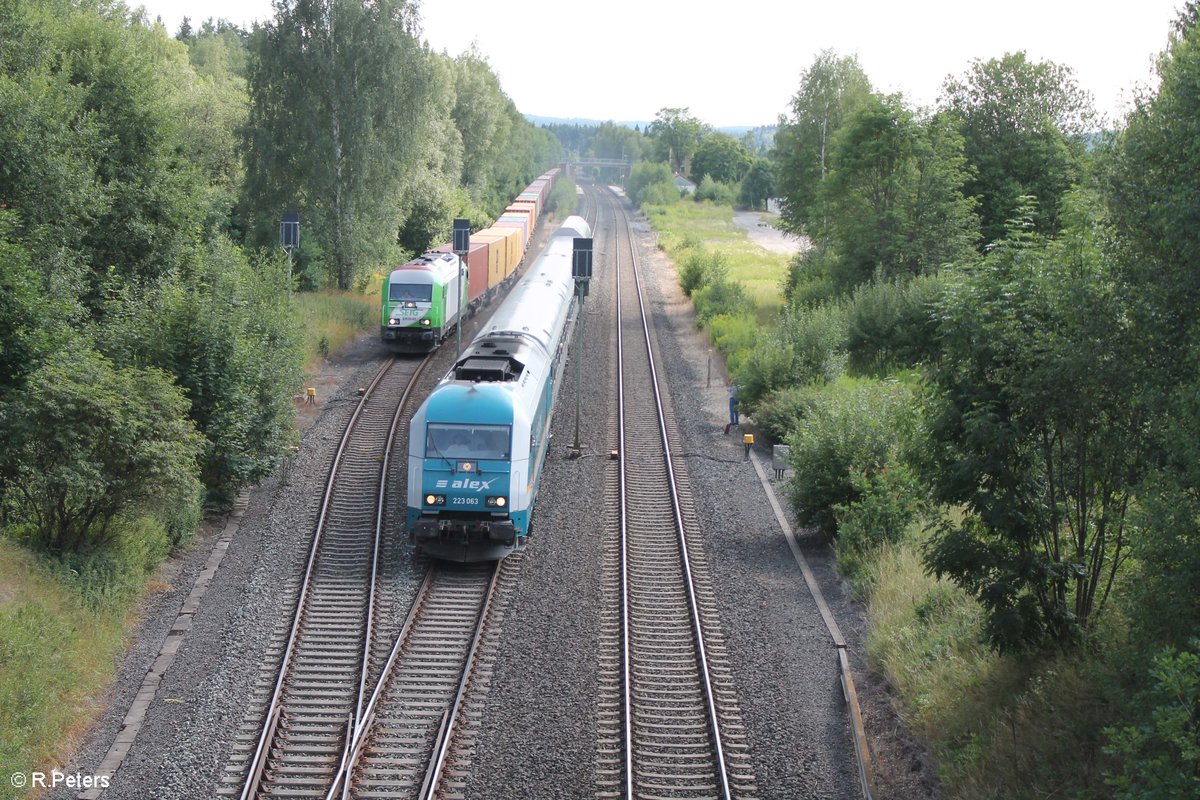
(479, 442)
(417, 292)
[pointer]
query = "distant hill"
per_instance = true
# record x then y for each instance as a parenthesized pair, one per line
(733, 130)
(536, 120)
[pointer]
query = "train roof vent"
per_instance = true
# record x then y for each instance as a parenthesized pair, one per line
(480, 368)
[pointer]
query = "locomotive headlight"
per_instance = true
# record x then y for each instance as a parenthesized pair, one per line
(435, 499)
(392, 321)
(425, 322)
(497, 502)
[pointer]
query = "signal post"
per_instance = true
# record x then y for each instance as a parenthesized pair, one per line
(581, 271)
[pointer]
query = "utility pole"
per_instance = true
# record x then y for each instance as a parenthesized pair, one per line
(581, 271)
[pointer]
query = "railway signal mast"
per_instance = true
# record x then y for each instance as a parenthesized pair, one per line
(462, 243)
(581, 271)
(289, 239)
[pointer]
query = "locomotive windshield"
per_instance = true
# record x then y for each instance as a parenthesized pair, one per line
(418, 292)
(478, 442)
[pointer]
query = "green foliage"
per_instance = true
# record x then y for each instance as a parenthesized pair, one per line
(651, 182)
(719, 297)
(892, 324)
(563, 198)
(714, 191)
(227, 335)
(1036, 430)
(339, 95)
(676, 134)
(1154, 196)
(700, 268)
(890, 502)
(894, 195)
(1023, 123)
(1161, 757)
(94, 161)
(779, 411)
(735, 335)
(31, 320)
(817, 337)
(88, 442)
(852, 427)
(758, 185)
(722, 158)
(1164, 603)
(808, 281)
(829, 90)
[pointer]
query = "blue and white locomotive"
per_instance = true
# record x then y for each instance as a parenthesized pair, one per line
(477, 444)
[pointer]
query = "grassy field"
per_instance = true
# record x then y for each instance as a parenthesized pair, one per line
(760, 271)
(56, 657)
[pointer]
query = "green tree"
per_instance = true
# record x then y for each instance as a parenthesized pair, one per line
(721, 157)
(894, 195)
(338, 97)
(676, 134)
(1024, 124)
(1036, 431)
(89, 143)
(1153, 184)
(829, 89)
(759, 184)
(86, 442)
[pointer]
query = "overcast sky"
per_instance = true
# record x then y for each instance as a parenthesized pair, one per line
(738, 63)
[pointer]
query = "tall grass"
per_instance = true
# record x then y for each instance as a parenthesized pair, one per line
(1000, 727)
(332, 319)
(57, 652)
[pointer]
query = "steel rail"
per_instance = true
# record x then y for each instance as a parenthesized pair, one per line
(274, 708)
(697, 628)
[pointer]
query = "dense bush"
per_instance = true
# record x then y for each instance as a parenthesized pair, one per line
(779, 412)
(807, 282)
(818, 340)
(853, 427)
(700, 268)
(720, 297)
(225, 332)
(735, 335)
(890, 501)
(892, 323)
(87, 442)
(723, 194)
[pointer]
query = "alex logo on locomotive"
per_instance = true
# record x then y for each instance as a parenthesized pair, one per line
(473, 485)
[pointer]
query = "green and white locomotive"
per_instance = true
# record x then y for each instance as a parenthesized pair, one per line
(422, 302)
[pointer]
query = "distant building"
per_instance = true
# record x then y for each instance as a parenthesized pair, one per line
(684, 185)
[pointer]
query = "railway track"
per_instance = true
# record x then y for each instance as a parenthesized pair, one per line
(670, 723)
(317, 693)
